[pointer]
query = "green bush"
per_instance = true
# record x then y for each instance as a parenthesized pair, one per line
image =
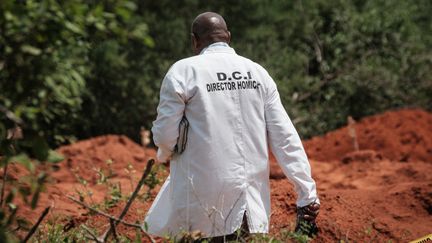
(57, 59)
(76, 69)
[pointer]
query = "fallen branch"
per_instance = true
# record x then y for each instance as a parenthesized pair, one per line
(103, 213)
(92, 235)
(33, 229)
(112, 225)
(147, 171)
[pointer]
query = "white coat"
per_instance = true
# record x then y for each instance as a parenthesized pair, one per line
(234, 111)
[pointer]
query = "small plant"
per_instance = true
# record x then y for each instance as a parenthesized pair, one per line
(109, 162)
(291, 235)
(130, 171)
(56, 233)
(368, 231)
(115, 193)
(264, 238)
(101, 176)
(151, 182)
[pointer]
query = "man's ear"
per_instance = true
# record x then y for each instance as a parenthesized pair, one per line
(229, 37)
(194, 43)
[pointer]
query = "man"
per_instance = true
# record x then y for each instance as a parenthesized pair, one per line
(220, 183)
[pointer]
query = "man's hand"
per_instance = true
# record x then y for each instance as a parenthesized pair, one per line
(163, 156)
(306, 216)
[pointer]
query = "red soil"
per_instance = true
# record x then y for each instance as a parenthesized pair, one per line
(382, 192)
(402, 135)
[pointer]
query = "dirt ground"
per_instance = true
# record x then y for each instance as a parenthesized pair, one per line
(382, 191)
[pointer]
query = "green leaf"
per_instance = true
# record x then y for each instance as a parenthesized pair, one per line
(9, 198)
(100, 26)
(73, 27)
(12, 212)
(35, 198)
(31, 50)
(130, 5)
(140, 31)
(54, 157)
(124, 13)
(148, 41)
(23, 223)
(8, 16)
(24, 160)
(12, 206)
(2, 131)
(40, 148)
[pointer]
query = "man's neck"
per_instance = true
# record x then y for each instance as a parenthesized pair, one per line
(215, 44)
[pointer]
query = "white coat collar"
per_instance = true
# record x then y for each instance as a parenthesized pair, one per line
(218, 47)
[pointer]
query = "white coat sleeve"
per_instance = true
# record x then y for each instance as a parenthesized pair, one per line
(287, 147)
(169, 113)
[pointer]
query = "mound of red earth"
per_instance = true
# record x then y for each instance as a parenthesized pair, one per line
(402, 135)
(91, 169)
(383, 191)
(378, 193)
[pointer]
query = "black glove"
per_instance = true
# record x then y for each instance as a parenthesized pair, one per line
(306, 216)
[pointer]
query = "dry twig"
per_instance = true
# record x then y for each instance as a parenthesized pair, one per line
(112, 225)
(91, 234)
(103, 213)
(33, 229)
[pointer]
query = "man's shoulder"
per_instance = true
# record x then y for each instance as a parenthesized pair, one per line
(183, 64)
(187, 61)
(180, 66)
(256, 65)
(252, 63)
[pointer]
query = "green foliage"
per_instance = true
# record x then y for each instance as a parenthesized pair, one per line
(75, 69)
(29, 151)
(115, 195)
(54, 232)
(332, 59)
(152, 179)
(42, 66)
(63, 63)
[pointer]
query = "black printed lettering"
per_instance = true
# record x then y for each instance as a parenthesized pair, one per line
(221, 76)
(249, 75)
(236, 75)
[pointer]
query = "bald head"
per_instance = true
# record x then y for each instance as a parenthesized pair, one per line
(208, 28)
